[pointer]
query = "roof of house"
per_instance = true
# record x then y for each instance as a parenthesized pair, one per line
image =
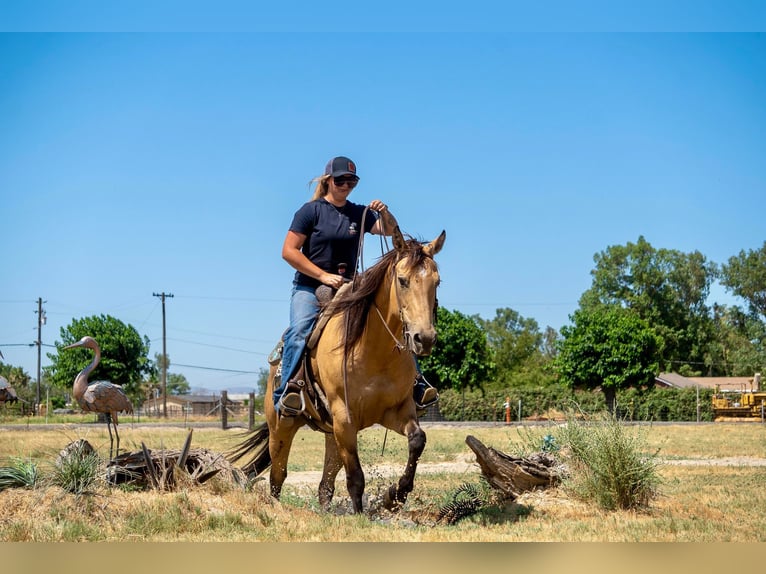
(187, 399)
(723, 383)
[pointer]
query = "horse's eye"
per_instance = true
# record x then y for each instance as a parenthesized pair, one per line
(404, 282)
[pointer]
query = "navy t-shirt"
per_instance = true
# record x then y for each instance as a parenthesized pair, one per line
(332, 236)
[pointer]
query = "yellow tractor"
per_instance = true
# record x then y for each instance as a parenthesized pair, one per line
(749, 403)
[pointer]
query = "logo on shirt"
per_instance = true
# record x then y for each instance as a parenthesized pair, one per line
(352, 230)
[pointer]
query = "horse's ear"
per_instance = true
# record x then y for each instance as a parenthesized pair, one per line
(398, 239)
(436, 245)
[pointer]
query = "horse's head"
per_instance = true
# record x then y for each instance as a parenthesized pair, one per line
(414, 284)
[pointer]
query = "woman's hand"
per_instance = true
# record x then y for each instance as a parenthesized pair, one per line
(377, 205)
(331, 280)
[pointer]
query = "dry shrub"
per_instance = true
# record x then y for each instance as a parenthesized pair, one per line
(609, 463)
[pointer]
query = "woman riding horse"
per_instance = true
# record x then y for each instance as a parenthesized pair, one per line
(363, 367)
(322, 245)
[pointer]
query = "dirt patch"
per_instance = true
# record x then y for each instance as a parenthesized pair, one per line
(467, 465)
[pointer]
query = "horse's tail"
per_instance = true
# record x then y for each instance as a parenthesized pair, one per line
(256, 440)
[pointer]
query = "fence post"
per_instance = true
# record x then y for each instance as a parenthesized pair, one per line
(224, 412)
(251, 413)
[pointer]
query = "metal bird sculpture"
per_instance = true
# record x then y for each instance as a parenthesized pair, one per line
(7, 394)
(99, 396)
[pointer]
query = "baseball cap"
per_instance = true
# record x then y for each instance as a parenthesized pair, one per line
(340, 165)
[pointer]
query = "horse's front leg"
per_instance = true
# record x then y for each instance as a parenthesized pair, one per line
(280, 441)
(416, 442)
(346, 442)
(332, 465)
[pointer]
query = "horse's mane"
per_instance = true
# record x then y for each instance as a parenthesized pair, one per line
(356, 301)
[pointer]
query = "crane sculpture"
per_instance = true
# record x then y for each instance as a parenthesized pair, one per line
(99, 396)
(7, 394)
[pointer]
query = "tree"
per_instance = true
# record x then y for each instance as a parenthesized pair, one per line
(521, 352)
(740, 344)
(124, 354)
(263, 379)
(745, 276)
(513, 338)
(461, 357)
(608, 347)
(176, 383)
(666, 288)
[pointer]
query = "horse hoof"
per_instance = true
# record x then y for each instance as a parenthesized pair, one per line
(390, 501)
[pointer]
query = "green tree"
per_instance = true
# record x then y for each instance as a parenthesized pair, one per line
(461, 357)
(610, 348)
(263, 379)
(745, 276)
(740, 343)
(521, 352)
(513, 338)
(666, 288)
(176, 383)
(123, 354)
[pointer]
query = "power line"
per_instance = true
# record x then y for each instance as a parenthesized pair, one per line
(216, 369)
(216, 346)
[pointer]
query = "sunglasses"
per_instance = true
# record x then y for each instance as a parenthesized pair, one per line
(351, 180)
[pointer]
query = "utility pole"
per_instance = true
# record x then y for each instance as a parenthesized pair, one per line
(162, 296)
(41, 320)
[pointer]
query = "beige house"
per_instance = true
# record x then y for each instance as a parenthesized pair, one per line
(674, 380)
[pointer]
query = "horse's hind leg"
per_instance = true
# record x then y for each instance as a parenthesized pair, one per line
(416, 442)
(332, 465)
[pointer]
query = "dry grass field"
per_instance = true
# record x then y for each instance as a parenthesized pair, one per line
(712, 476)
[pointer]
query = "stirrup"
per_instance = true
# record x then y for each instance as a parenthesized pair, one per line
(292, 403)
(430, 397)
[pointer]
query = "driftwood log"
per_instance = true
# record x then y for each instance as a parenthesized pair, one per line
(167, 469)
(512, 476)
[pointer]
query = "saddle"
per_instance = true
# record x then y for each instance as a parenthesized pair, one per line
(315, 408)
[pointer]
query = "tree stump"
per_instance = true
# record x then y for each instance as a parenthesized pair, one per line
(513, 475)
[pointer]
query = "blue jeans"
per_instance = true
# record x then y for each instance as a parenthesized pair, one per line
(304, 309)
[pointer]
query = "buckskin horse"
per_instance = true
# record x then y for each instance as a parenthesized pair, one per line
(363, 369)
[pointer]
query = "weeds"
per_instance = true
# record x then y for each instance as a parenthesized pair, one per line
(609, 463)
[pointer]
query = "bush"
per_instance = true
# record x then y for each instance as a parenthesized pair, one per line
(653, 404)
(608, 463)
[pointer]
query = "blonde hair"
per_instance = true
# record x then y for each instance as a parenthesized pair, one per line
(322, 186)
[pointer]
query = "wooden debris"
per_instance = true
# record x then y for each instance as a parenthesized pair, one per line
(513, 475)
(168, 469)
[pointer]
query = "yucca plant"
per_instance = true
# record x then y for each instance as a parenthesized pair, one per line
(19, 474)
(79, 471)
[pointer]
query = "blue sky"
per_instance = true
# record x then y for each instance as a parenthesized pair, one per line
(132, 164)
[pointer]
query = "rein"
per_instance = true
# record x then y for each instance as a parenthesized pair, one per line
(360, 263)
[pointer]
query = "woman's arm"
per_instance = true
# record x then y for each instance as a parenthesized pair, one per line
(291, 252)
(386, 222)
